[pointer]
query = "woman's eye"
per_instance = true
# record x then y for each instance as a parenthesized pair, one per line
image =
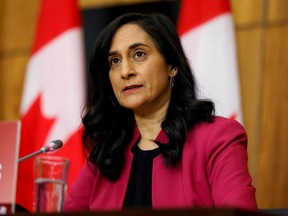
(114, 61)
(139, 54)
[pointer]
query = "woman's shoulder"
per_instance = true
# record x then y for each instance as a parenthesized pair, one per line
(218, 126)
(88, 172)
(217, 134)
(219, 121)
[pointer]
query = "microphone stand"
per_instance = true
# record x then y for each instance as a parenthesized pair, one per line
(50, 147)
(30, 155)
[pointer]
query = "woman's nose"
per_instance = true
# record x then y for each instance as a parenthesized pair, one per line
(127, 69)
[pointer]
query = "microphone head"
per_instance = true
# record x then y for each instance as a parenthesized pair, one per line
(52, 146)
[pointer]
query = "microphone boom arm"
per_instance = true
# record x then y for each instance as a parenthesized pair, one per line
(50, 147)
(30, 155)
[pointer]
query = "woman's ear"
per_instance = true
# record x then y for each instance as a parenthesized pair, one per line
(173, 71)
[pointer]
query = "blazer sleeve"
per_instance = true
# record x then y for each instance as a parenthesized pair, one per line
(78, 197)
(227, 169)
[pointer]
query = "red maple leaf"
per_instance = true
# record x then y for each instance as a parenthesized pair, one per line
(34, 130)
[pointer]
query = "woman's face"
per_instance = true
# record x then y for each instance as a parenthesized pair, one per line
(138, 72)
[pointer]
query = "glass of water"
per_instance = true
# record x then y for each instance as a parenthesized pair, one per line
(51, 175)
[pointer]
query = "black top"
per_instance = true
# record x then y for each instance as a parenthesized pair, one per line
(139, 191)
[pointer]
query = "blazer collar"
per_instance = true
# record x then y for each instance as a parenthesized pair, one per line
(161, 137)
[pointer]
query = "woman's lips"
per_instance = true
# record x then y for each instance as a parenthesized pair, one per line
(131, 88)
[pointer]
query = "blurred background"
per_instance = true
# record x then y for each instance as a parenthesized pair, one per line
(261, 28)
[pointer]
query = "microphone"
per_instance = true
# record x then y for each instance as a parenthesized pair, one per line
(50, 147)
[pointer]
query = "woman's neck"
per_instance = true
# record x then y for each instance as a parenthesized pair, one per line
(149, 125)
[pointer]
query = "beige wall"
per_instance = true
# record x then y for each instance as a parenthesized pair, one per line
(262, 41)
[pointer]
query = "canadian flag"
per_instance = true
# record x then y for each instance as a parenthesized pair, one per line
(54, 92)
(207, 33)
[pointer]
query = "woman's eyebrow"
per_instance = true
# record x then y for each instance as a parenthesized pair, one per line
(112, 53)
(132, 46)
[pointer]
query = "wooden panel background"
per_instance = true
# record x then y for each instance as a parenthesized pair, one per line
(261, 28)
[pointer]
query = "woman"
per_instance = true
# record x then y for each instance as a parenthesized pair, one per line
(152, 143)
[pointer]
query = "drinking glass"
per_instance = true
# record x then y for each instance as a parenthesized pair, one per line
(51, 175)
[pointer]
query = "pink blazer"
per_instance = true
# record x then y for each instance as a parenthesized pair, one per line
(212, 173)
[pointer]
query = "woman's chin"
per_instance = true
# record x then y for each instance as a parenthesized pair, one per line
(132, 104)
(132, 107)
